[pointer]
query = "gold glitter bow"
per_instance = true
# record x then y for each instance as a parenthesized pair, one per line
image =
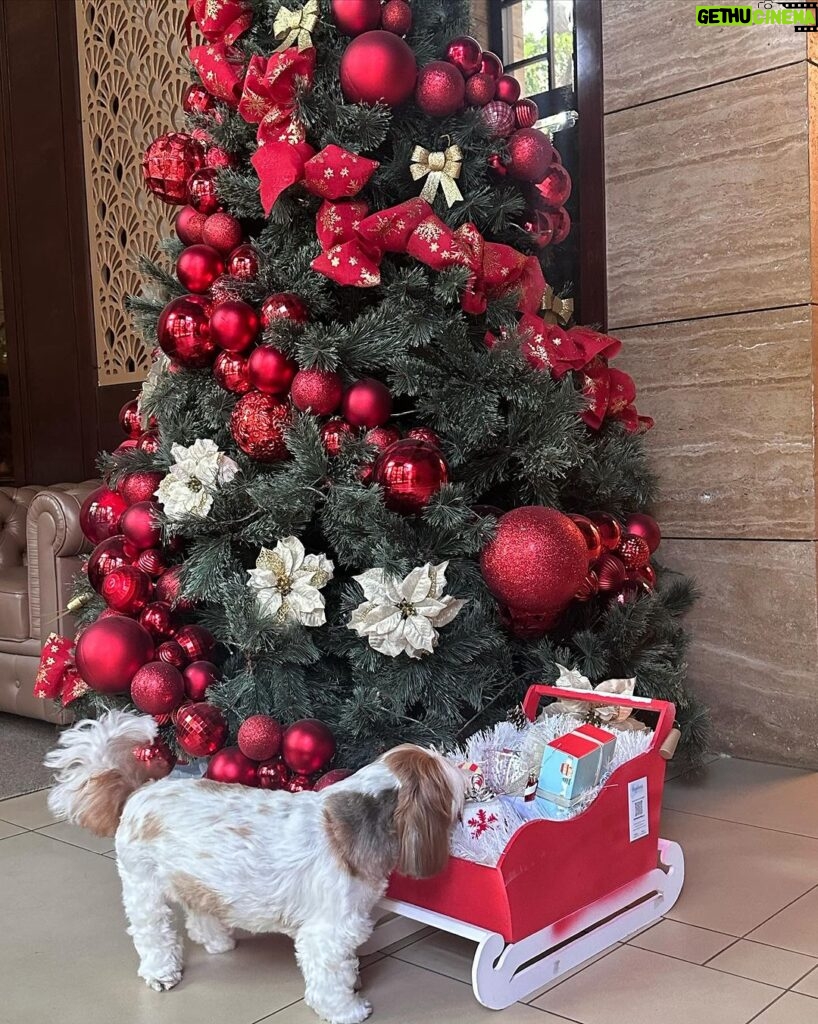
(442, 167)
(295, 26)
(556, 310)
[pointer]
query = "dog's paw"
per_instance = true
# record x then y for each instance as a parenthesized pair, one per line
(221, 945)
(164, 983)
(356, 1011)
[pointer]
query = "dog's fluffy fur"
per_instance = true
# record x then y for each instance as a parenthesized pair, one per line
(311, 865)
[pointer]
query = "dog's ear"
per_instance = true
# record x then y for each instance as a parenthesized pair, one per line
(361, 832)
(425, 810)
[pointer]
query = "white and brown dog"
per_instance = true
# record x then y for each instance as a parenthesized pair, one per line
(311, 865)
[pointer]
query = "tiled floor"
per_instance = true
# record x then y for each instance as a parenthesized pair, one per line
(741, 944)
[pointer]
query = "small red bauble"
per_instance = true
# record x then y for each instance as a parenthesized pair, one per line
(530, 153)
(259, 424)
(108, 555)
(382, 437)
(259, 737)
(200, 729)
(562, 225)
(156, 760)
(196, 641)
(169, 163)
(499, 119)
(230, 765)
(396, 16)
(110, 651)
(639, 524)
(224, 288)
(100, 514)
(223, 232)
(490, 64)
(283, 306)
(243, 262)
(610, 531)
(198, 267)
(331, 777)
(183, 331)
(368, 403)
(495, 162)
(298, 784)
(591, 534)
(201, 191)
(157, 688)
(527, 625)
(189, 225)
(480, 90)
(197, 100)
(588, 588)
(127, 589)
(230, 371)
(378, 67)
(630, 591)
(151, 561)
(645, 575)
(307, 746)
(140, 485)
(352, 17)
(410, 472)
(218, 158)
(508, 89)
(611, 572)
(234, 325)
(440, 89)
(526, 113)
(169, 588)
(140, 525)
(466, 54)
(320, 391)
(634, 551)
(271, 371)
(198, 677)
(148, 442)
(172, 653)
(157, 618)
(541, 228)
(555, 187)
(127, 445)
(333, 434)
(130, 420)
(273, 774)
(424, 434)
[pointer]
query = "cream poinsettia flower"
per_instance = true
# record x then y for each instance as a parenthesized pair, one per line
(402, 616)
(288, 583)
(192, 481)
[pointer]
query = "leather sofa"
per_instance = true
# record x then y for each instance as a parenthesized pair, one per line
(40, 547)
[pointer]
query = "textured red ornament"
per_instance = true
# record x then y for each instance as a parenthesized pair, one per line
(440, 89)
(298, 784)
(410, 473)
(555, 188)
(148, 442)
(140, 485)
(230, 765)
(396, 16)
(127, 589)
(610, 531)
(368, 403)
(110, 651)
(157, 688)
(197, 100)
(223, 231)
(331, 777)
(198, 267)
(536, 561)
(243, 262)
(140, 525)
(258, 425)
(151, 561)
(156, 760)
(198, 677)
(320, 391)
(230, 371)
(271, 371)
(382, 437)
(466, 54)
(196, 641)
(201, 191)
(352, 17)
(157, 618)
(100, 514)
(218, 158)
(591, 534)
(499, 119)
(610, 571)
(108, 555)
(530, 154)
(169, 588)
(526, 113)
(183, 331)
(200, 729)
(189, 225)
(307, 746)
(130, 420)
(234, 325)
(169, 162)
(634, 551)
(333, 434)
(424, 434)
(588, 588)
(273, 774)
(283, 306)
(480, 89)
(508, 89)
(172, 653)
(259, 737)
(378, 67)
(639, 524)
(490, 64)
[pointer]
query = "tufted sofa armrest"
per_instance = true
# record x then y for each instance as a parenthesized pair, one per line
(55, 543)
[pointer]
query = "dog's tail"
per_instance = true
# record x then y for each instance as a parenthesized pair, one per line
(96, 770)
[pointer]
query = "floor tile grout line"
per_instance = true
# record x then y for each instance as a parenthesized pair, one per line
(75, 846)
(743, 824)
(269, 1016)
(765, 1008)
(786, 906)
(799, 980)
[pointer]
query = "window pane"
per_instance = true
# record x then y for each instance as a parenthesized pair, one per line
(533, 78)
(525, 30)
(563, 56)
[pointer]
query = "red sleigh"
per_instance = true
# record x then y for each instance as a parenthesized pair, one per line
(562, 891)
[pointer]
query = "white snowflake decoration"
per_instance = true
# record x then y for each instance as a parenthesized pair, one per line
(190, 485)
(288, 582)
(403, 616)
(159, 367)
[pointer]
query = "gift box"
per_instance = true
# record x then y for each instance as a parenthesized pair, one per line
(573, 764)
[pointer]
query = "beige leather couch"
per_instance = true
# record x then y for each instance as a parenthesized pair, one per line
(40, 547)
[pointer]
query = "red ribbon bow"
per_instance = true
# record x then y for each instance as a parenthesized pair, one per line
(268, 96)
(221, 69)
(611, 394)
(57, 675)
(333, 173)
(219, 20)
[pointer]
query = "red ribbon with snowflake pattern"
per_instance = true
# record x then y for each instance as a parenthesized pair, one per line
(57, 675)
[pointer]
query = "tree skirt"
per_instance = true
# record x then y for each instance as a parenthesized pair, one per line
(24, 743)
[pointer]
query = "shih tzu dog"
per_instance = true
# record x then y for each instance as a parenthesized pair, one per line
(311, 865)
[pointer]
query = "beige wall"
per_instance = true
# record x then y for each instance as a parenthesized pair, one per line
(707, 140)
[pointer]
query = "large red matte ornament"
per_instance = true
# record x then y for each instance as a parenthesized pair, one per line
(198, 267)
(259, 737)
(396, 16)
(140, 485)
(642, 525)
(157, 688)
(333, 433)
(197, 100)
(466, 54)
(526, 113)
(234, 325)
(100, 514)
(156, 760)
(490, 64)
(201, 191)
(127, 589)
(536, 561)
(440, 89)
(283, 306)
(157, 618)
(331, 777)
(223, 232)
(198, 677)
(530, 154)
(480, 90)
(368, 403)
(140, 525)
(352, 17)
(189, 225)
(243, 262)
(230, 371)
(169, 588)
(320, 391)
(258, 425)
(378, 67)
(273, 774)
(169, 162)
(410, 473)
(508, 89)
(271, 371)
(230, 765)
(555, 187)
(183, 331)
(108, 555)
(110, 651)
(130, 420)
(200, 729)
(307, 746)
(197, 642)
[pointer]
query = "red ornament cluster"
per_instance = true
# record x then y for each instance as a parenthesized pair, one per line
(619, 555)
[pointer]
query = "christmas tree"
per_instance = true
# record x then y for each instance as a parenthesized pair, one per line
(370, 479)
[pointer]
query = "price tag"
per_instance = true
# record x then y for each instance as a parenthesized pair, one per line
(638, 808)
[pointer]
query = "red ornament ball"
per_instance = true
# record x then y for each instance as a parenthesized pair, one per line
(396, 16)
(352, 17)
(610, 531)
(331, 777)
(382, 437)
(273, 774)
(259, 737)
(495, 162)
(590, 532)
(156, 760)
(139, 486)
(169, 588)
(230, 765)
(634, 551)
(508, 89)
(646, 575)
(440, 89)
(225, 288)
(307, 746)
(234, 325)
(536, 561)
(271, 371)
(127, 589)
(541, 228)
(410, 473)
(526, 113)
(298, 784)
(197, 100)
(223, 232)
(378, 67)
(151, 561)
(499, 119)
(157, 688)
(319, 391)
(639, 524)
(562, 225)
(201, 191)
(130, 420)
(527, 625)
(480, 89)
(243, 262)
(218, 158)
(466, 54)
(140, 525)
(198, 267)
(189, 225)
(196, 641)
(110, 651)
(368, 403)
(100, 514)
(283, 306)
(555, 188)
(258, 424)
(230, 371)
(198, 677)
(127, 445)
(490, 64)
(588, 588)
(333, 433)
(424, 434)
(148, 442)
(157, 618)
(108, 555)
(200, 729)
(169, 163)
(610, 571)
(183, 331)
(530, 154)
(172, 653)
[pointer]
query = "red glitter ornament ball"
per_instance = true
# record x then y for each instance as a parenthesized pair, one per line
(198, 677)
(259, 424)
(110, 651)
(378, 67)
(218, 158)
(140, 485)
(200, 729)
(197, 100)
(536, 561)
(610, 531)
(562, 225)
(555, 187)
(480, 89)
(526, 113)
(590, 532)
(298, 784)
(352, 17)
(368, 403)
(130, 420)
(508, 89)
(319, 391)
(183, 331)
(634, 551)
(172, 653)
(639, 524)
(100, 514)
(410, 472)
(169, 163)
(440, 89)
(611, 572)
(490, 64)
(140, 525)
(201, 191)
(243, 262)
(234, 325)
(499, 119)
(222, 231)
(108, 555)
(198, 267)
(151, 561)
(466, 54)
(273, 774)
(156, 760)
(259, 737)
(189, 225)
(230, 765)
(424, 434)
(333, 433)
(530, 154)
(396, 16)
(148, 442)
(127, 589)
(157, 618)
(169, 588)
(230, 371)
(197, 642)
(157, 688)
(331, 777)
(271, 371)
(307, 746)
(382, 437)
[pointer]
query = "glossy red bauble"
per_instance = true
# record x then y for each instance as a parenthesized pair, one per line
(555, 187)
(169, 588)
(590, 532)
(222, 231)
(198, 267)
(189, 225)
(396, 16)
(378, 67)
(172, 653)
(331, 777)
(127, 589)
(197, 100)
(496, 164)
(108, 555)
(368, 403)
(259, 424)
(130, 420)
(230, 371)
(200, 729)
(480, 89)
(234, 325)
(140, 525)
(319, 391)
(490, 64)
(273, 774)
(183, 331)
(382, 437)
(298, 783)
(333, 434)
(634, 551)
(508, 89)
(562, 225)
(352, 17)
(218, 158)
(201, 191)
(140, 485)
(530, 154)
(526, 113)
(169, 162)
(156, 760)
(259, 737)
(157, 618)
(198, 676)
(440, 89)
(610, 571)
(466, 54)
(610, 531)
(307, 746)
(642, 525)
(424, 434)
(646, 575)
(499, 119)
(148, 442)
(283, 306)
(197, 642)
(151, 561)
(541, 228)
(243, 262)
(230, 765)
(100, 514)
(271, 371)
(157, 688)
(110, 651)
(410, 473)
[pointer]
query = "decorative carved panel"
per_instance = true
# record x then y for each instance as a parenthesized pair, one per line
(132, 73)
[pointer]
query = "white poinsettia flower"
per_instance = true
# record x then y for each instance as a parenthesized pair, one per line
(572, 679)
(196, 474)
(159, 366)
(402, 616)
(288, 583)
